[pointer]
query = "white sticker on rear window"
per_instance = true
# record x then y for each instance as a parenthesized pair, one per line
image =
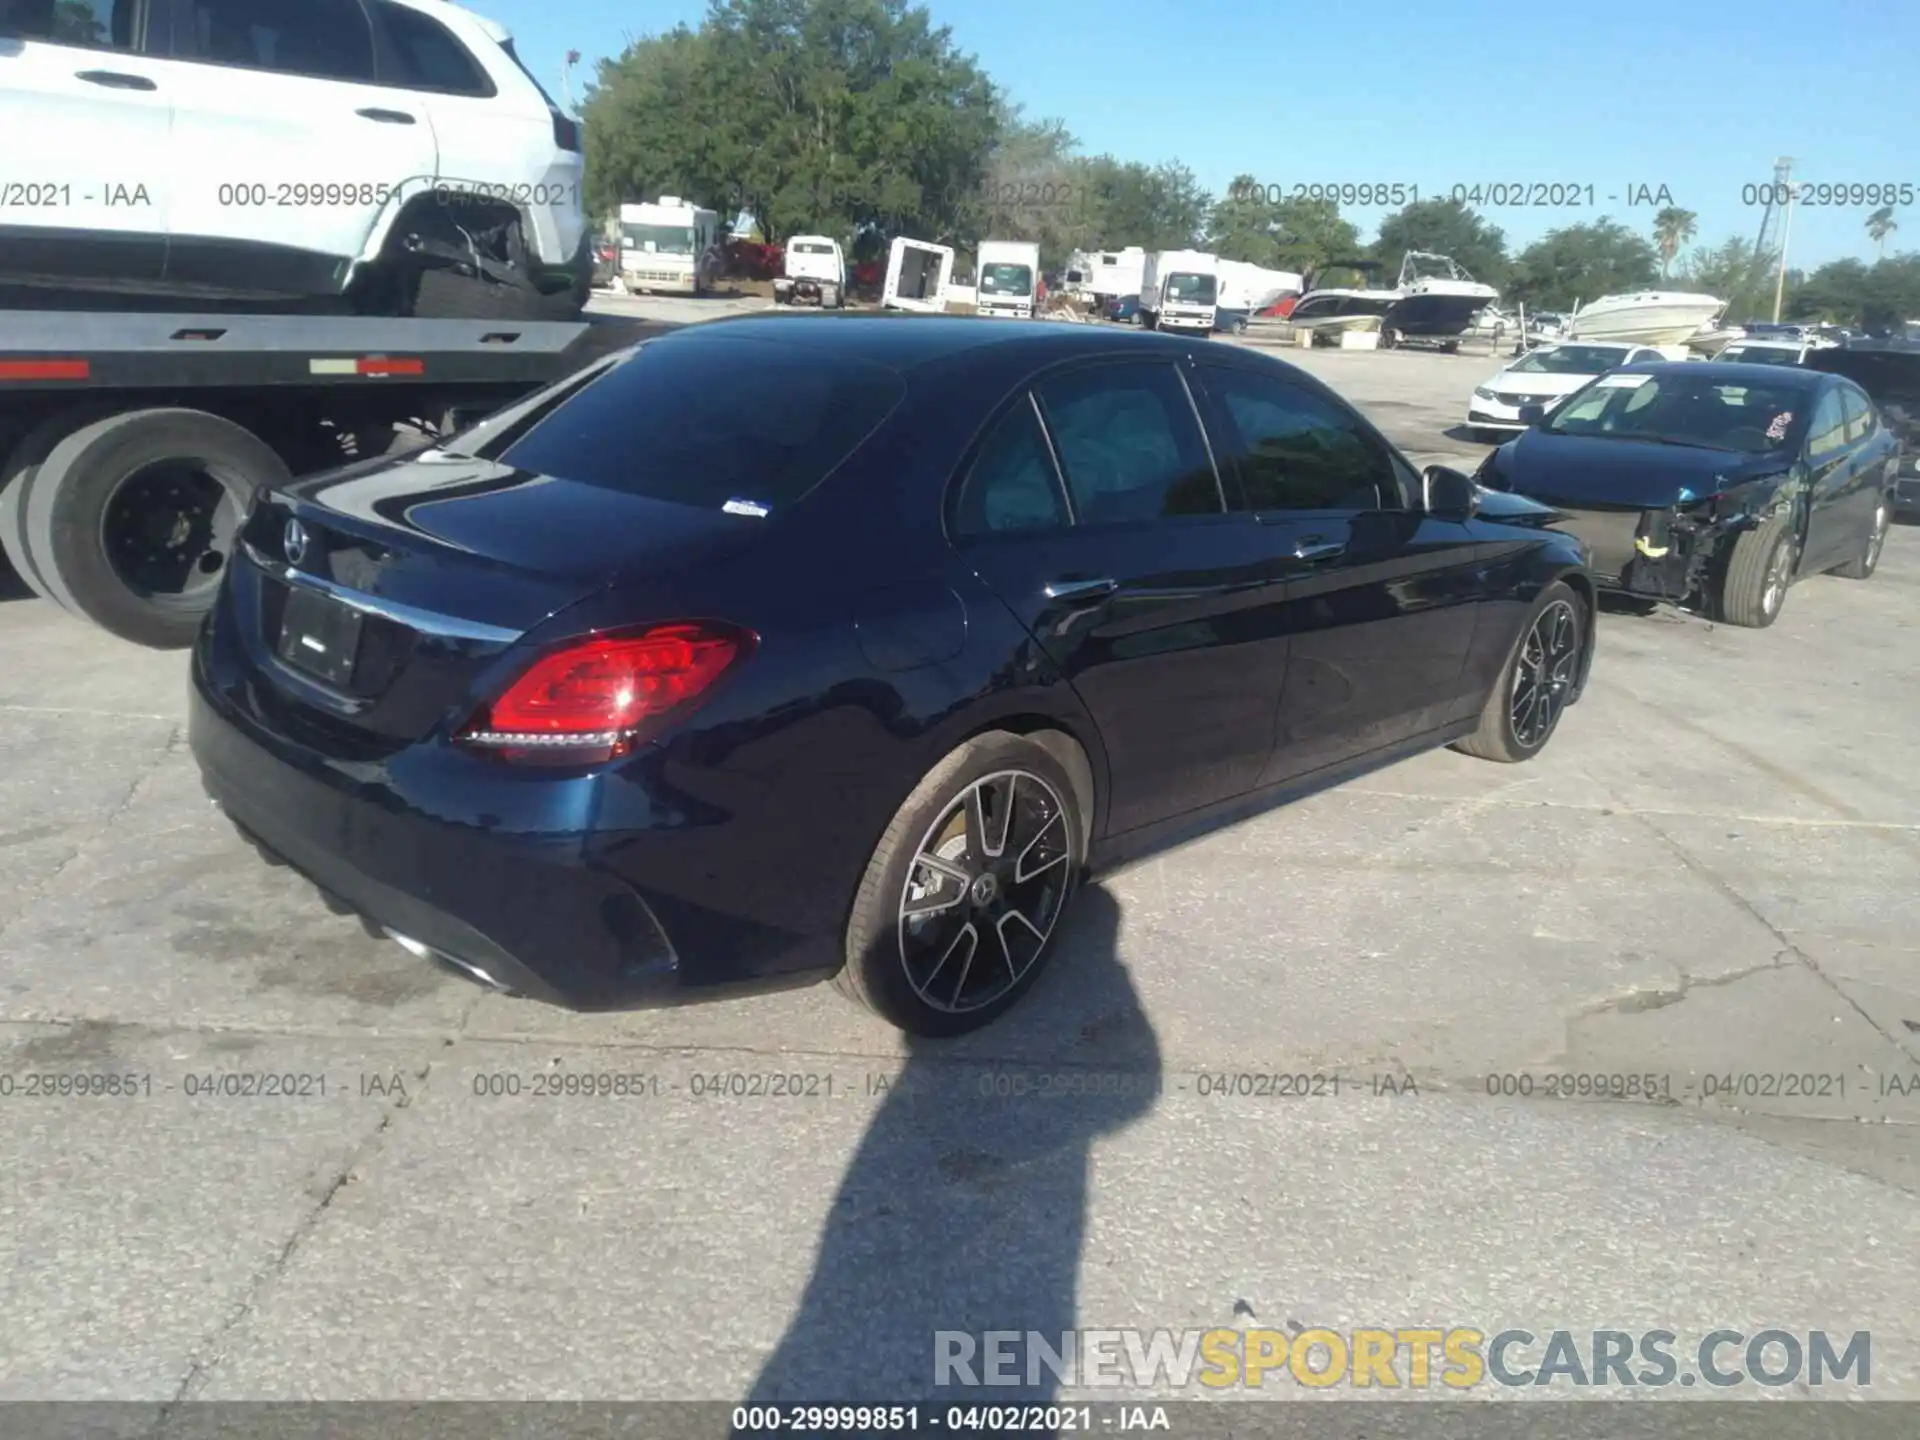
(1623, 382)
(746, 507)
(1778, 429)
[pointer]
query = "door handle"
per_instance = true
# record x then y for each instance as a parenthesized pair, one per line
(386, 117)
(1317, 547)
(1081, 589)
(115, 79)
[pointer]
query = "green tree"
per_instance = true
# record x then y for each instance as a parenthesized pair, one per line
(1673, 228)
(1246, 225)
(1030, 190)
(1734, 272)
(814, 115)
(1158, 207)
(1881, 224)
(1581, 263)
(1445, 227)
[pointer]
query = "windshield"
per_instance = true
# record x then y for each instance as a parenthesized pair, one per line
(1569, 360)
(1192, 289)
(1006, 279)
(1682, 408)
(660, 239)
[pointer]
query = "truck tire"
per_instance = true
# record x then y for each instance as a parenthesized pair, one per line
(131, 519)
(18, 468)
(830, 297)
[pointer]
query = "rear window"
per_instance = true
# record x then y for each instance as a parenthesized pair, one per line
(744, 425)
(428, 55)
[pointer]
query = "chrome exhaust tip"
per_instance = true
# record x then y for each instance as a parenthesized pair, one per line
(423, 951)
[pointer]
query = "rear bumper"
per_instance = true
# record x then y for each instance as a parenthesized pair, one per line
(493, 870)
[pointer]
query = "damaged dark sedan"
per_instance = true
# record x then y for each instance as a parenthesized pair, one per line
(1712, 485)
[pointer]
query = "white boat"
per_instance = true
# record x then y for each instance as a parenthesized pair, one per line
(1438, 299)
(1434, 299)
(1650, 317)
(1343, 307)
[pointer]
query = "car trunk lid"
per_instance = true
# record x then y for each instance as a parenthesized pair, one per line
(378, 602)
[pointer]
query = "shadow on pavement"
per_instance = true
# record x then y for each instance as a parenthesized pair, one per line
(965, 1206)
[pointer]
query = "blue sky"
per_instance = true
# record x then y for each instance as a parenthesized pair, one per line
(1700, 96)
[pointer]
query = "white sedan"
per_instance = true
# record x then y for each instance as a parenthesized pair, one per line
(1546, 376)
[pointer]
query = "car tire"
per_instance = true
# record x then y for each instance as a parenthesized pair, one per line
(1753, 585)
(1547, 658)
(899, 966)
(67, 506)
(1862, 566)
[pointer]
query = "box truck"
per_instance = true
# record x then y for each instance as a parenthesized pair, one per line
(1180, 290)
(1007, 281)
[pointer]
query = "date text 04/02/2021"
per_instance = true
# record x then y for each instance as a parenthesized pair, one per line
(1490, 194)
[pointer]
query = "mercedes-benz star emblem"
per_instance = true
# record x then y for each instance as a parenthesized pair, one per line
(294, 542)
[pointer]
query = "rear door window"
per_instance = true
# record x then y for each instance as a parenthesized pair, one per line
(424, 55)
(749, 425)
(324, 39)
(1012, 484)
(1130, 444)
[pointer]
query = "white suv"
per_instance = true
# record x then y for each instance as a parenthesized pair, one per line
(374, 156)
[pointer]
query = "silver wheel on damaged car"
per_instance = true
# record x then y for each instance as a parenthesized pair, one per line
(984, 891)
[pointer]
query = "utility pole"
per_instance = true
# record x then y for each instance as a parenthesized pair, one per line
(1777, 221)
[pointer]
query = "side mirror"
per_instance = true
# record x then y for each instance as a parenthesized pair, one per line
(1531, 415)
(1450, 495)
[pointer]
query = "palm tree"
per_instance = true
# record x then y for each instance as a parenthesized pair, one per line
(1672, 228)
(1880, 225)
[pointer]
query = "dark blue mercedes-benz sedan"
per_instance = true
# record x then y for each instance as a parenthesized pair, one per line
(777, 649)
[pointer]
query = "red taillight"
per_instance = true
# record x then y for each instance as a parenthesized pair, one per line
(596, 694)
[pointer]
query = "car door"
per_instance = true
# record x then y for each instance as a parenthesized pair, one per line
(1868, 457)
(86, 114)
(1381, 599)
(1094, 511)
(285, 151)
(1831, 529)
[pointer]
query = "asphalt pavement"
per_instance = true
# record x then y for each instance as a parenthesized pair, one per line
(1706, 889)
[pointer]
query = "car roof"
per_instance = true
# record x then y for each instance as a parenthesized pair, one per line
(1773, 376)
(906, 342)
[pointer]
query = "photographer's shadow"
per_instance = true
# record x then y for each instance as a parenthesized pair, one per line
(965, 1206)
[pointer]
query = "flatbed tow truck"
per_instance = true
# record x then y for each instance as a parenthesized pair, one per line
(131, 445)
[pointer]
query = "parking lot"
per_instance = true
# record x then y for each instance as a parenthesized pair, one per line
(1709, 883)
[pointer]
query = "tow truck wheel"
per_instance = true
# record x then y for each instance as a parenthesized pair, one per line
(1862, 566)
(131, 520)
(18, 467)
